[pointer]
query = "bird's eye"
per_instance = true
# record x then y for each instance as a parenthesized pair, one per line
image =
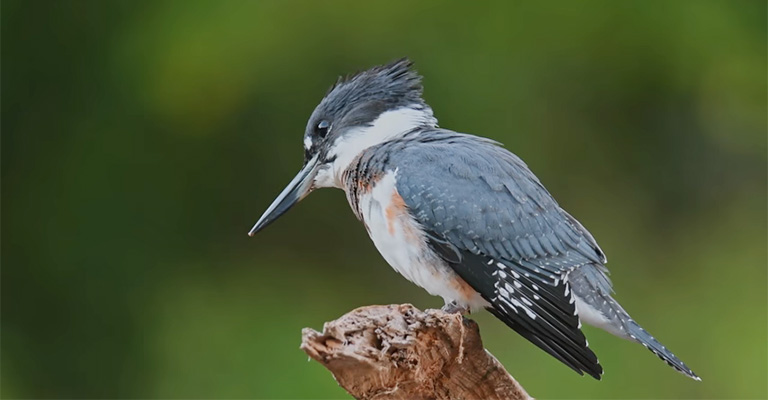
(322, 128)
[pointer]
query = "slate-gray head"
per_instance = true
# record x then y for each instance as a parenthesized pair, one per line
(358, 112)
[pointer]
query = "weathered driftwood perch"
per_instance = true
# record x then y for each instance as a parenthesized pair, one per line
(400, 352)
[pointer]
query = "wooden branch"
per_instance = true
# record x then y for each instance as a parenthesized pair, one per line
(400, 352)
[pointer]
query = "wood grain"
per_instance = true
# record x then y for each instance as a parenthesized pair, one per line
(400, 352)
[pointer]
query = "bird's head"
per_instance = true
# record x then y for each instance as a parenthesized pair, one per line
(358, 112)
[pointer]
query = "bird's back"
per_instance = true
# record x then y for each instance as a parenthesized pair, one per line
(479, 196)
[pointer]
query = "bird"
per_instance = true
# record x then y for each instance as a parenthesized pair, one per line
(460, 216)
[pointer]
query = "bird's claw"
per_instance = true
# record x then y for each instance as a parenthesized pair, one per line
(455, 308)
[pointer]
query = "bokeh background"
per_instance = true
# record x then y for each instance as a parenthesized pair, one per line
(142, 139)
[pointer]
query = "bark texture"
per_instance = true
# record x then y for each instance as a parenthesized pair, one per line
(400, 352)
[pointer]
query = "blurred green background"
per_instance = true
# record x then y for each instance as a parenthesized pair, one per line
(142, 139)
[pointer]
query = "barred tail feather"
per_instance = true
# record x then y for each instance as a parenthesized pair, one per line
(639, 335)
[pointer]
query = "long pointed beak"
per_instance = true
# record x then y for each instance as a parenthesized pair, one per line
(299, 188)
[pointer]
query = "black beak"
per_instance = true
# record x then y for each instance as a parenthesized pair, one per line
(299, 188)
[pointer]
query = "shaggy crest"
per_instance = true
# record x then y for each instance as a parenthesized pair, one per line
(393, 84)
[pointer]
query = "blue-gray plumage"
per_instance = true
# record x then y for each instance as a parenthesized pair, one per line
(461, 216)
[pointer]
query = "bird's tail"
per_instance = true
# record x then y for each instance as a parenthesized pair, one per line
(639, 335)
(592, 291)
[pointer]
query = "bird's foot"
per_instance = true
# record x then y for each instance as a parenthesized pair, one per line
(454, 308)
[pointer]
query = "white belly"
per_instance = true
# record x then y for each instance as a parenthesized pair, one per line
(401, 242)
(596, 318)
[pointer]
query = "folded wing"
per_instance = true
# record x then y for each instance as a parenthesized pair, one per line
(494, 223)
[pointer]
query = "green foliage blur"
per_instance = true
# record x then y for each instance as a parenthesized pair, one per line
(142, 139)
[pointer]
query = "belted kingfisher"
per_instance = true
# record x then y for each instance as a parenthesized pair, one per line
(460, 216)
